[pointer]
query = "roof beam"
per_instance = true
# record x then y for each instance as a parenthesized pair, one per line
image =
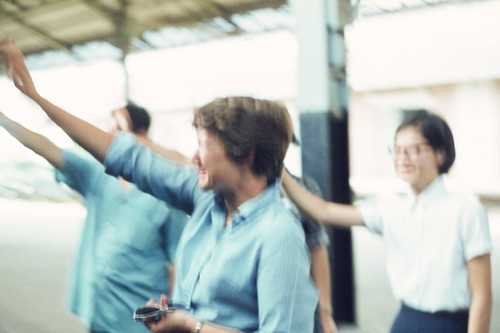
(51, 41)
(218, 11)
(126, 28)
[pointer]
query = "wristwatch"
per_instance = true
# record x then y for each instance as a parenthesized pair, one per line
(197, 327)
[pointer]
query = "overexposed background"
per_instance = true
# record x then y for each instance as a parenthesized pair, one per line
(396, 62)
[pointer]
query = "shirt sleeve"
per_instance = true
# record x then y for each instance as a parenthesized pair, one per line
(370, 210)
(79, 173)
(316, 234)
(175, 184)
(287, 296)
(475, 231)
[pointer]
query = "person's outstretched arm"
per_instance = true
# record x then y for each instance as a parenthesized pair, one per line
(340, 215)
(90, 137)
(34, 141)
(170, 154)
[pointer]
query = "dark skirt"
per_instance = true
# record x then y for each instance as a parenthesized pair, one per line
(411, 320)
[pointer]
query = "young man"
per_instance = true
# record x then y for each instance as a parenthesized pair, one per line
(129, 238)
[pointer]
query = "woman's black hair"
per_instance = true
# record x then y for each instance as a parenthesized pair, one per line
(436, 131)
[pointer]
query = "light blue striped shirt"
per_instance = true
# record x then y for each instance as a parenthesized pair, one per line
(254, 276)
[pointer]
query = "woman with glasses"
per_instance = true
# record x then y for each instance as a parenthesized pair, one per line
(242, 260)
(437, 241)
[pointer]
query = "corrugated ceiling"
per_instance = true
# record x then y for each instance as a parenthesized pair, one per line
(66, 27)
(57, 32)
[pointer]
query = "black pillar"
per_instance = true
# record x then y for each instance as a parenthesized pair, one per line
(325, 157)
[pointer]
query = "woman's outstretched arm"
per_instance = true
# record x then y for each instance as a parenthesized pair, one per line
(90, 137)
(327, 212)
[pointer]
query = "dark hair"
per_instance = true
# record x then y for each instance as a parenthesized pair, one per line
(247, 125)
(437, 133)
(139, 117)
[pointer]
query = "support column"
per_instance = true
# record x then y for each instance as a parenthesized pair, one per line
(323, 105)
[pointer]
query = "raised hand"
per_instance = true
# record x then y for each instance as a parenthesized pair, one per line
(90, 137)
(17, 70)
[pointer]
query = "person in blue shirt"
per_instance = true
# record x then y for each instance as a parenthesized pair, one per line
(128, 240)
(242, 262)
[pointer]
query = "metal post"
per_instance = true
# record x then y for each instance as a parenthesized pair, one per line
(323, 104)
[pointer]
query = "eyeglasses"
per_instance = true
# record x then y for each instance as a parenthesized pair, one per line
(411, 151)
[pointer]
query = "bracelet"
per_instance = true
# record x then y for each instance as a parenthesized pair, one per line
(197, 327)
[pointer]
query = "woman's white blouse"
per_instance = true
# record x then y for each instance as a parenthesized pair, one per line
(429, 238)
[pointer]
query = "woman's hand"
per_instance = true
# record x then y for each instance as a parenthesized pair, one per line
(175, 321)
(13, 58)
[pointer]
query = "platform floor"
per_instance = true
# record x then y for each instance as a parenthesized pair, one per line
(38, 240)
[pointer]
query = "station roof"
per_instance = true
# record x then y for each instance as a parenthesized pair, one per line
(81, 29)
(57, 32)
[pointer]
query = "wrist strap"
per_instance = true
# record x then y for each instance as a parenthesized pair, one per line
(197, 327)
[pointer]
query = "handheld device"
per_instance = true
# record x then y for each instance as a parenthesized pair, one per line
(151, 313)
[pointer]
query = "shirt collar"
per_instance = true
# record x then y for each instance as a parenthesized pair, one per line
(433, 191)
(254, 205)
